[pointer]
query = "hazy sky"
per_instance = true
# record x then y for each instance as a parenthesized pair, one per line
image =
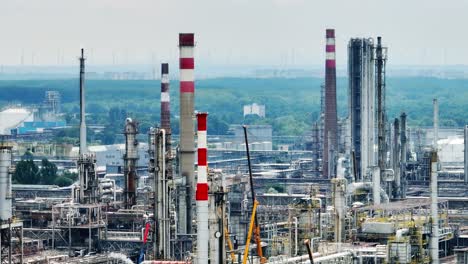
(260, 32)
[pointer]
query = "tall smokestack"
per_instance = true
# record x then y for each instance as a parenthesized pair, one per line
(436, 122)
(330, 126)
(187, 147)
(166, 116)
(83, 148)
(396, 158)
(434, 242)
(202, 191)
(403, 150)
(165, 98)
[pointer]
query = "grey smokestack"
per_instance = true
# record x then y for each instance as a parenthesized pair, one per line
(187, 129)
(436, 122)
(83, 147)
(396, 158)
(403, 150)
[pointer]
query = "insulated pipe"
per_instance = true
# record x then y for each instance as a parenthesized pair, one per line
(376, 185)
(187, 139)
(83, 147)
(367, 186)
(295, 236)
(434, 243)
(202, 192)
(330, 122)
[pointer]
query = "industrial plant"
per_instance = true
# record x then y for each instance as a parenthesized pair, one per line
(360, 188)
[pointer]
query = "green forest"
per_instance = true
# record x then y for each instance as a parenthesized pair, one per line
(292, 104)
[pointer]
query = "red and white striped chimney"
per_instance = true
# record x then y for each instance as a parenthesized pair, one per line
(202, 191)
(165, 99)
(187, 129)
(331, 119)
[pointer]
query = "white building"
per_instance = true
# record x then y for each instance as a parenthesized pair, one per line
(451, 150)
(254, 109)
(113, 154)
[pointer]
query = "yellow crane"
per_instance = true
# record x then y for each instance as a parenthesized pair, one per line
(231, 248)
(249, 236)
(256, 227)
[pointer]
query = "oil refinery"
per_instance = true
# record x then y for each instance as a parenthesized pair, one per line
(366, 188)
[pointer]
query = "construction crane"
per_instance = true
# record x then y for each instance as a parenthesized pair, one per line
(257, 237)
(249, 235)
(231, 248)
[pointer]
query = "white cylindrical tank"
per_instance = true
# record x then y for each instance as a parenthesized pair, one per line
(5, 184)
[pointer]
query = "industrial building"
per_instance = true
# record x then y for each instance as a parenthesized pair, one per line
(366, 188)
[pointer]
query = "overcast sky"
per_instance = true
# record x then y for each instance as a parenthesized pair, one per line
(229, 32)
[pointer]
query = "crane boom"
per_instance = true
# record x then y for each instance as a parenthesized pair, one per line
(257, 237)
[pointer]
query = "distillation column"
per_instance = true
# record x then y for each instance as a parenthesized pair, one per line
(331, 122)
(202, 192)
(187, 137)
(130, 162)
(380, 54)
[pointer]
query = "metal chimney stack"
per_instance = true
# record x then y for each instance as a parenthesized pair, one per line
(187, 137)
(202, 191)
(330, 124)
(165, 98)
(166, 116)
(436, 122)
(434, 242)
(403, 150)
(396, 158)
(83, 148)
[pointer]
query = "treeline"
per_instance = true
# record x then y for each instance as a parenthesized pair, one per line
(291, 104)
(27, 172)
